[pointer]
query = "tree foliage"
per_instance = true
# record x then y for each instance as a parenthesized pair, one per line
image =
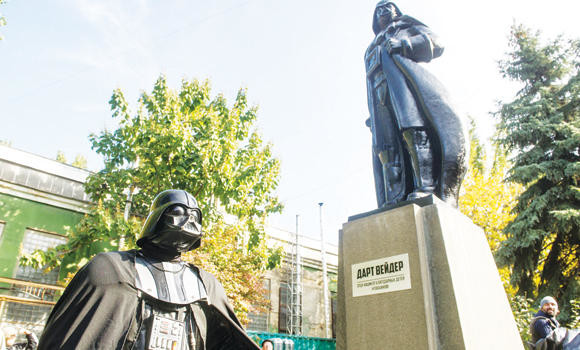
(79, 162)
(523, 310)
(60, 157)
(541, 129)
(486, 198)
(2, 18)
(185, 140)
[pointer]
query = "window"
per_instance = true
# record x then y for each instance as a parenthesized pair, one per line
(283, 308)
(32, 241)
(260, 319)
(28, 316)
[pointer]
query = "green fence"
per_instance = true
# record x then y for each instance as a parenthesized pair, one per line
(300, 343)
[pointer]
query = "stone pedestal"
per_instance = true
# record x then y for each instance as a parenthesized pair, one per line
(420, 276)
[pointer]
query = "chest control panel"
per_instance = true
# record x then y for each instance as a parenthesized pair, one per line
(166, 334)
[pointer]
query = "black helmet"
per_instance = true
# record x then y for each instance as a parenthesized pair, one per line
(382, 3)
(163, 201)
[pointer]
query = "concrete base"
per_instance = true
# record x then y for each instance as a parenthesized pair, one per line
(424, 278)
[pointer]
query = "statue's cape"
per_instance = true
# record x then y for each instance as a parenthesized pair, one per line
(416, 99)
(101, 304)
(432, 98)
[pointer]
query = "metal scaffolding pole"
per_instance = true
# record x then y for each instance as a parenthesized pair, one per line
(295, 286)
(324, 278)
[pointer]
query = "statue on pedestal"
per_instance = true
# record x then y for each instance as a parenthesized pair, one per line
(419, 145)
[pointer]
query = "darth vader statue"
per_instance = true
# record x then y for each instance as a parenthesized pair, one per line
(148, 298)
(419, 144)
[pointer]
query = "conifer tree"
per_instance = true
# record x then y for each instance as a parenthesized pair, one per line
(541, 129)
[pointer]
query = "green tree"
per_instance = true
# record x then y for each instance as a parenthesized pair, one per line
(185, 140)
(523, 310)
(2, 18)
(80, 162)
(541, 129)
(60, 157)
(487, 199)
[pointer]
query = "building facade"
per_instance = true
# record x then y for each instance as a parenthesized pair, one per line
(40, 199)
(277, 287)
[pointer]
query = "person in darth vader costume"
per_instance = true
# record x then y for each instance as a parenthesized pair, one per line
(148, 298)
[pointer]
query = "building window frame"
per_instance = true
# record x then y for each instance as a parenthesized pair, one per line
(283, 308)
(33, 239)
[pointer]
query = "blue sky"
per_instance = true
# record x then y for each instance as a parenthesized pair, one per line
(301, 62)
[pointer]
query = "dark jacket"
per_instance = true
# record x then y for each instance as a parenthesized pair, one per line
(542, 325)
(102, 309)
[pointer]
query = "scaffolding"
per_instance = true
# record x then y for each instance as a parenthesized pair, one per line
(294, 296)
(25, 304)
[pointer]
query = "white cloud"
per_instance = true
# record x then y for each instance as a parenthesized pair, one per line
(121, 35)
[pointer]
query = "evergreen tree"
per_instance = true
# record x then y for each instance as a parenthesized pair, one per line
(541, 129)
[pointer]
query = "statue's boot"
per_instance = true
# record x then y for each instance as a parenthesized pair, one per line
(421, 156)
(393, 175)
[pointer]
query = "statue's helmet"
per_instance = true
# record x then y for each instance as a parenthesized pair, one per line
(174, 222)
(381, 4)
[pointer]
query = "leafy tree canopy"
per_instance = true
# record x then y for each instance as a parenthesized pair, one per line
(184, 140)
(541, 129)
(79, 162)
(60, 157)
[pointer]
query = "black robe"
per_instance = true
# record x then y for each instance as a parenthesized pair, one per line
(402, 95)
(102, 309)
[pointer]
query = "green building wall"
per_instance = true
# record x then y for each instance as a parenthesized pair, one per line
(19, 214)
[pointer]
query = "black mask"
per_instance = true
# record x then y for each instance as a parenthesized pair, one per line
(178, 229)
(386, 14)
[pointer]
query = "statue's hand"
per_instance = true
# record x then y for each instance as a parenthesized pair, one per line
(394, 46)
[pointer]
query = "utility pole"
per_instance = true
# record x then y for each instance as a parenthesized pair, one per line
(324, 277)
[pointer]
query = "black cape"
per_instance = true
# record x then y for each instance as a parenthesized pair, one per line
(417, 100)
(102, 309)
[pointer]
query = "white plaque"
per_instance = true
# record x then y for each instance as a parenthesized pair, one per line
(381, 276)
